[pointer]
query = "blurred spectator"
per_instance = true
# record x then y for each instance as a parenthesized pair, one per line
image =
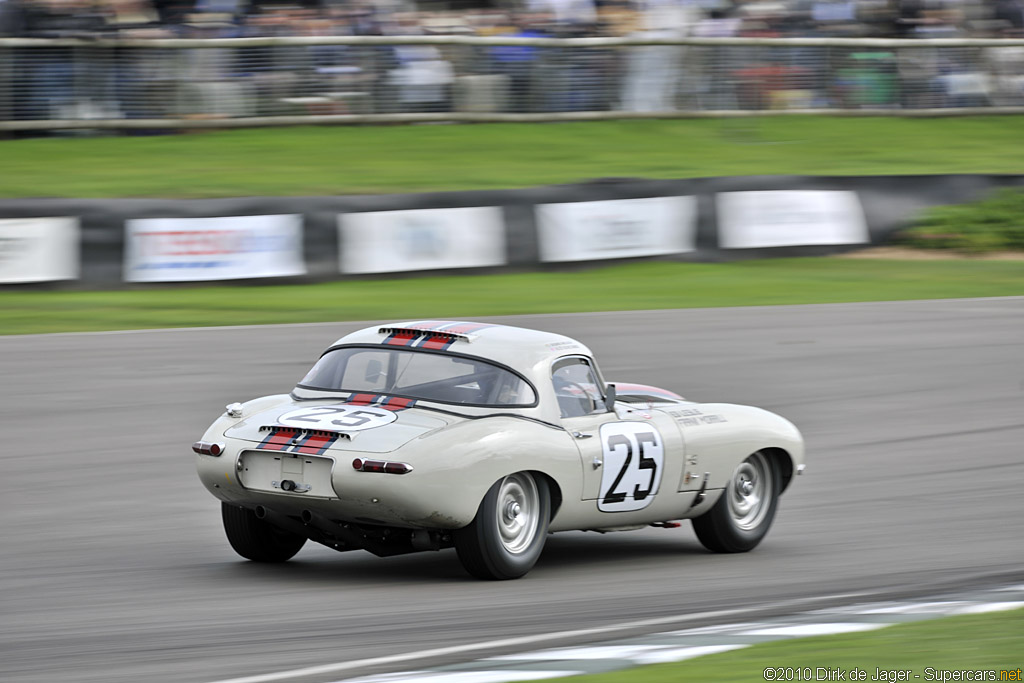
(422, 76)
(836, 18)
(566, 12)
(653, 72)
(9, 19)
(210, 85)
(1006, 64)
(518, 64)
(47, 74)
(918, 70)
(717, 24)
(1011, 13)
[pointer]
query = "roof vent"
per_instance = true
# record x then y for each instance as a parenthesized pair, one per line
(413, 333)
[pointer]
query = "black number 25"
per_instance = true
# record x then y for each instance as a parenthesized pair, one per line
(645, 463)
(349, 418)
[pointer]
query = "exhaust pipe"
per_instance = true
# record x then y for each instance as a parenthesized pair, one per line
(381, 547)
(322, 524)
(285, 522)
(318, 525)
(341, 537)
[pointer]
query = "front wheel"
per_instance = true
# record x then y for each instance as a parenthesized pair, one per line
(256, 539)
(507, 535)
(744, 512)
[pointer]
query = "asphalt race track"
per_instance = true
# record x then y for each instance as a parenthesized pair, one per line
(114, 567)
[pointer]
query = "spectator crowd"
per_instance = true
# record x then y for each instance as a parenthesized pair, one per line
(61, 82)
(561, 18)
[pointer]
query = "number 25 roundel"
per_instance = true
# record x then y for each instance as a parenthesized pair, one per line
(634, 455)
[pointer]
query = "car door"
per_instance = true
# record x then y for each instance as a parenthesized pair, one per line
(622, 459)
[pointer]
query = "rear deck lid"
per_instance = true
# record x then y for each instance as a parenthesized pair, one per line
(372, 424)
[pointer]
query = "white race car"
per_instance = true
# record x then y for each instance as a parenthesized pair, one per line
(426, 435)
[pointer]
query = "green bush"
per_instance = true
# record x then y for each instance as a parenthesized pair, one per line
(993, 224)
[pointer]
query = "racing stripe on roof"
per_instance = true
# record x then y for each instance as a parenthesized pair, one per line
(431, 334)
(437, 342)
(402, 338)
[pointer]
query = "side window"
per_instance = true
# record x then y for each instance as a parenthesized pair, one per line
(576, 387)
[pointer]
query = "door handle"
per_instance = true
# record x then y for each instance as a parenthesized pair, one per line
(581, 435)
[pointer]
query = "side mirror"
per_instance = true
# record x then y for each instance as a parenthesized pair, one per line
(609, 397)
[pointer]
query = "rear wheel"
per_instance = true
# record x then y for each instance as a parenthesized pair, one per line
(256, 539)
(505, 539)
(744, 512)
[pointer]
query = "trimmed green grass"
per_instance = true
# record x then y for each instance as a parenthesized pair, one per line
(370, 159)
(993, 642)
(622, 287)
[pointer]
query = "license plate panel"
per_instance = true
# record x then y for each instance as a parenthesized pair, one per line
(302, 475)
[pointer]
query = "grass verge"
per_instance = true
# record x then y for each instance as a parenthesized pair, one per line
(370, 159)
(984, 642)
(630, 286)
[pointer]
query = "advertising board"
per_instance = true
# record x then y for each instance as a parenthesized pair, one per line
(616, 228)
(789, 218)
(38, 249)
(421, 239)
(221, 248)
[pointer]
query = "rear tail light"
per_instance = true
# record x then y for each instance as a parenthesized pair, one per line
(361, 465)
(207, 448)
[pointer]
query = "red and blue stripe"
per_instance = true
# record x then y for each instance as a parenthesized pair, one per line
(381, 401)
(432, 334)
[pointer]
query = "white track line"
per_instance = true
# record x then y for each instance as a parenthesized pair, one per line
(801, 630)
(579, 653)
(917, 608)
(987, 607)
(595, 633)
(464, 676)
(683, 653)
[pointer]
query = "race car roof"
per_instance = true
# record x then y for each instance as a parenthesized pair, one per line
(516, 347)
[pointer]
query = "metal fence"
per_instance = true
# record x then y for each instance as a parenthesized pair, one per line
(174, 84)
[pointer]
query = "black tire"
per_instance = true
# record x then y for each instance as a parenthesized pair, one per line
(742, 515)
(256, 539)
(507, 535)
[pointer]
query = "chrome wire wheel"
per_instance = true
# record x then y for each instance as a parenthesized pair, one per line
(518, 512)
(750, 492)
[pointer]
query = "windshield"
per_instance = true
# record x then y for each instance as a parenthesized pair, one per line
(422, 375)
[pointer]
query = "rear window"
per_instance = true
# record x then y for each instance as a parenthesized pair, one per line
(444, 378)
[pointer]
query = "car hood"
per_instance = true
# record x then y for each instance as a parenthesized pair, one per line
(316, 427)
